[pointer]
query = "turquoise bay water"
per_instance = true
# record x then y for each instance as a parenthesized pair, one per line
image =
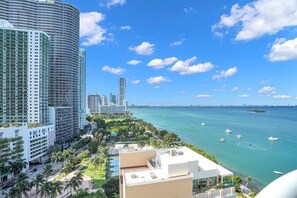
(253, 154)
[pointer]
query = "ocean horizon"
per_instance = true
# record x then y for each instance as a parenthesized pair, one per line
(252, 154)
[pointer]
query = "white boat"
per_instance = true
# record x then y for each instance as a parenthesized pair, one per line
(202, 123)
(222, 140)
(273, 138)
(192, 125)
(238, 136)
(228, 131)
(278, 172)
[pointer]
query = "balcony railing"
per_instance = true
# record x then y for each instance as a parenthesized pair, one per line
(213, 193)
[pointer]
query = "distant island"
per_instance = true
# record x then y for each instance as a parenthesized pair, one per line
(256, 111)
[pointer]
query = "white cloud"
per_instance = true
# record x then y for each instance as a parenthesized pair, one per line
(266, 81)
(184, 67)
(157, 79)
(267, 90)
(226, 74)
(177, 43)
(157, 87)
(281, 97)
(115, 2)
(261, 17)
(145, 48)
(234, 89)
(134, 62)
(243, 96)
(135, 82)
(190, 9)
(283, 50)
(112, 70)
(159, 63)
(90, 30)
(126, 27)
(204, 96)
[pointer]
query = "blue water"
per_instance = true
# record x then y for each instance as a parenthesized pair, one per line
(252, 155)
(114, 162)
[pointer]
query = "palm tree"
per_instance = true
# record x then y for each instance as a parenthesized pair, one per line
(14, 192)
(141, 144)
(72, 184)
(12, 166)
(39, 179)
(48, 171)
(45, 189)
(57, 189)
(79, 178)
(23, 184)
(57, 157)
(82, 193)
(97, 162)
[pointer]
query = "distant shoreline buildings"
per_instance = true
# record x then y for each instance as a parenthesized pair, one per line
(98, 104)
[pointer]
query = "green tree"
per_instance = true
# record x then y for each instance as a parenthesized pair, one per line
(39, 179)
(170, 139)
(56, 189)
(72, 184)
(111, 187)
(48, 171)
(81, 193)
(57, 157)
(45, 190)
(23, 184)
(97, 162)
(141, 144)
(14, 192)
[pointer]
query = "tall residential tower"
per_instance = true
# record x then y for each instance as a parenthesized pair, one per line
(61, 22)
(82, 88)
(121, 91)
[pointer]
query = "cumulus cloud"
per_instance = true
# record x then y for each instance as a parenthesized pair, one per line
(115, 2)
(159, 63)
(225, 74)
(157, 79)
(135, 82)
(204, 96)
(281, 97)
(117, 71)
(145, 48)
(234, 89)
(184, 67)
(243, 96)
(261, 17)
(126, 27)
(177, 43)
(134, 62)
(190, 9)
(283, 50)
(90, 30)
(267, 90)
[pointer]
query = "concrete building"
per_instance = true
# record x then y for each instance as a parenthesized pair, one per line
(61, 22)
(112, 109)
(121, 91)
(172, 172)
(93, 103)
(24, 115)
(104, 100)
(82, 88)
(112, 99)
(23, 75)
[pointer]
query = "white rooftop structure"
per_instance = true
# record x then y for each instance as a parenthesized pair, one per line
(174, 163)
(5, 24)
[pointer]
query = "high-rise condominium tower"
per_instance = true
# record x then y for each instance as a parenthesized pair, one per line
(61, 22)
(121, 91)
(112, 99)
(82, 87)
(23, 75)
(93, 103)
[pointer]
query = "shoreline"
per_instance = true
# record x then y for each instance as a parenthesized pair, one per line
(256, 186)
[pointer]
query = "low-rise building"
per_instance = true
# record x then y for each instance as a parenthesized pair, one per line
(171, 172)
(112, 109)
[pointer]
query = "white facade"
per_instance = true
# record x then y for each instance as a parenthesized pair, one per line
(36, 139)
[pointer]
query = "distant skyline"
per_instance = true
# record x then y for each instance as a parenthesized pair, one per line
(192, 52)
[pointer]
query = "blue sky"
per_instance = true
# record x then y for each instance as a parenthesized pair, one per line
(215, 52)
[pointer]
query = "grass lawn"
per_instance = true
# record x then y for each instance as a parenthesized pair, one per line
(97, 176)
(116, 119)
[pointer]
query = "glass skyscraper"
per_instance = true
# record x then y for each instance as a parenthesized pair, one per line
(82, 87)
(121, 91)
(61, 22)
